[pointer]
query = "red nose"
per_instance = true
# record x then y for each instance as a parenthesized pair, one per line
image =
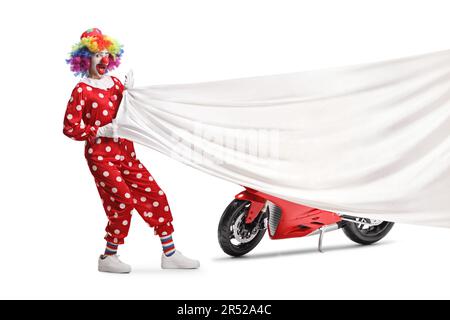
(105, 60)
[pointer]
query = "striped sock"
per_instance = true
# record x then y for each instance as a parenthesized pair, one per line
(168, 245)
(111, 249)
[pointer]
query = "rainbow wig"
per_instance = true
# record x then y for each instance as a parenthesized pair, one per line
(91, 42)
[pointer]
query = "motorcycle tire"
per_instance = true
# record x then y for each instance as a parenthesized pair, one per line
(236, 209)
(367, 235)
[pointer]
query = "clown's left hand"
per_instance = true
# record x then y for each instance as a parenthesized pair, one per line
(109, 130)
(129, 80)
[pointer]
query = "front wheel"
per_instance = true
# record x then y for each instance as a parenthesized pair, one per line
(237, 238)
(366, 231)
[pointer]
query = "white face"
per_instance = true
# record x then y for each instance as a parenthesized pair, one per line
(99, 64)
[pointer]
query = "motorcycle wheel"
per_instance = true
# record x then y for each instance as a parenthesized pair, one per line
(364, 234)
(236, 238)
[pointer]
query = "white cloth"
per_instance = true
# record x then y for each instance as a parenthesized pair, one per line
(367, 140)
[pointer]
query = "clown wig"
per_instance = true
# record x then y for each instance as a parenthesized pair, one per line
(91, 42)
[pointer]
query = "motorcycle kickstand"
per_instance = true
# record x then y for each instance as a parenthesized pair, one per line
(321, 233)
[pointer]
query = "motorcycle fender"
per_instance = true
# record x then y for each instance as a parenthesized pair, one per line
(256, 204)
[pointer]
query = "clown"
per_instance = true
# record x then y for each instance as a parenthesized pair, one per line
(122, 180)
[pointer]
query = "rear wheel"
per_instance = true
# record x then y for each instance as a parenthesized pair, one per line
(366, 231)
(236, 237)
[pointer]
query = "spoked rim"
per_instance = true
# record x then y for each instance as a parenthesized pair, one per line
(240, 232)
(370, 227)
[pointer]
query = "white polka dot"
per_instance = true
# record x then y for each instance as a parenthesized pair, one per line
(101, 95)
(119, 179)
(134, 201)
(82, 126)
(122, 206)
(100, 158)
(82, 102)
(133, 154)
(114, 97)
(90, 150)
(117, 231)
(98, 123)
(116, 240)
(117, 157)
(127, 195)
(94, 105)
(78, 107)
(164, 233)
(125, 222)
(139, 175)
(117, 87)
(126, 172)
(114, 190)
(156, 203)
(80, 89)
(71, 99)
(150, 178)
(108, 149)
(108, 208)
(88, 115)
(102, 184)
(116, 215)
(148, 214)
(130, 164)
(94, 168)
(143, 199)
(105, 173)
(122, 158)
(148, 189)
(98, 141)
(161, 219)
(110, 104)
(160, 192)
(116, 139)
(105, 112)
(115, 80)
(69, 116)
(112, 199)
(110, 164)
(134, 185)
(140, 166)
(168, 223)
(166, 208)
(89, 88)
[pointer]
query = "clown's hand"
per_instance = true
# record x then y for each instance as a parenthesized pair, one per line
(129, 80)
(109, 130)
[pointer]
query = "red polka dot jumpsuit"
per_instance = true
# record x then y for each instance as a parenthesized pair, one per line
(122, 181)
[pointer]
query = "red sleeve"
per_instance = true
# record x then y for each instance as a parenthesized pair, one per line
(74, 126)
(119, 87)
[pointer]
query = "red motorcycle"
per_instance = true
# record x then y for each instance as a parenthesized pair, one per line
(246, 219)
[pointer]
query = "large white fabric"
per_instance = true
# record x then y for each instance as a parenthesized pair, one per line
(367, 140)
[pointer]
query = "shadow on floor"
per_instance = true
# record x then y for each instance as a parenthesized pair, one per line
(326, 248)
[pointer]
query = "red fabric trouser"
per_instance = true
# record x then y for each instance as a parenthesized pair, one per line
(125, 184)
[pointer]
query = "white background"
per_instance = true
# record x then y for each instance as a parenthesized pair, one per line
(52, 221)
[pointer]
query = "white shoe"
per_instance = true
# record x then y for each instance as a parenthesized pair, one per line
(178, 261)
(112, 264)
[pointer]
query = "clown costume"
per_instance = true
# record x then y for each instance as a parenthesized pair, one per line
(122, 180)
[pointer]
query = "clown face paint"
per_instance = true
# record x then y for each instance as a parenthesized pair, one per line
(99, 64)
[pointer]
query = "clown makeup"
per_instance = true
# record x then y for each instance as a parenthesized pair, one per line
(99, 64)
